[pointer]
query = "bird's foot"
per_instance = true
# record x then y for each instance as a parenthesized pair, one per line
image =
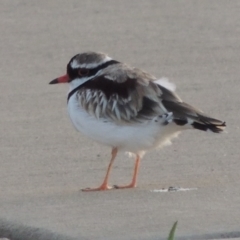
(131, 185)
(103, 187)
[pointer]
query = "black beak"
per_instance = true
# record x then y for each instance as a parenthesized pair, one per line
(54, 81)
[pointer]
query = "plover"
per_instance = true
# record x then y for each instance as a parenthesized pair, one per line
(127, 108)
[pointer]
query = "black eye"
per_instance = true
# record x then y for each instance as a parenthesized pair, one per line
(83, 72)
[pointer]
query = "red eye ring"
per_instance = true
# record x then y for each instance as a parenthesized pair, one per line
(83, 72)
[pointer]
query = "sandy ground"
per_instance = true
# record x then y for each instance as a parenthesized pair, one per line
(45, 162)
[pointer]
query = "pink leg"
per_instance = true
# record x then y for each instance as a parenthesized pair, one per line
(133, 184)
(104, 185)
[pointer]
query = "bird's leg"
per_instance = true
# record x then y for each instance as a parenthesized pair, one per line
(104, 185)
(133, 184)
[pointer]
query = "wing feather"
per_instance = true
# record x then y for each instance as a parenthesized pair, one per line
(127, 95)
(123, 94)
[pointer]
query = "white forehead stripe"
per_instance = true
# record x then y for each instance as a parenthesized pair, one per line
(75, 64)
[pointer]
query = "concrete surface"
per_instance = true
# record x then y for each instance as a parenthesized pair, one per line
(45, 162)
(15, 231)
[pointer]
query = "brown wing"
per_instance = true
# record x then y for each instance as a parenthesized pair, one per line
(124, 94)
(127, 95)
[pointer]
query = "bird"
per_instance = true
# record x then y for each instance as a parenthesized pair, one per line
(127, 109)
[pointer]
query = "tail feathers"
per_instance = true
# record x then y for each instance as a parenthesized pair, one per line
(186, 115)
(214, 127)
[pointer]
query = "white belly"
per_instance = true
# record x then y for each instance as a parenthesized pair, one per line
(135, 138)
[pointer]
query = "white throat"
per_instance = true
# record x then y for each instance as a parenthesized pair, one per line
(77, 82)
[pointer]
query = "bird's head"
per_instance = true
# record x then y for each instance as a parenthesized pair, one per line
(83, 67)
